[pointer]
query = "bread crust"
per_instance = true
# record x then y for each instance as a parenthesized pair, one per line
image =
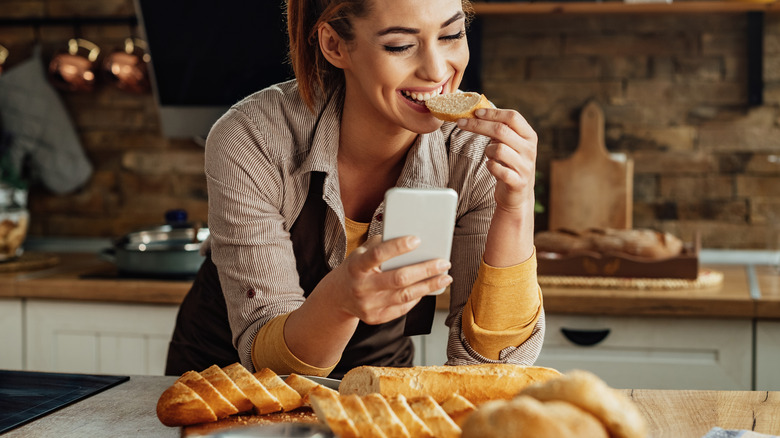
(591, 394)
(477, 383)
(179, 405)
(526, 417)
(227, 387)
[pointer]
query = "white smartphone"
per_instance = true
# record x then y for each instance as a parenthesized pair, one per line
(428, 214)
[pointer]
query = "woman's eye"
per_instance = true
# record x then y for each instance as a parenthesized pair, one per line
(397, 49)
(455, 36)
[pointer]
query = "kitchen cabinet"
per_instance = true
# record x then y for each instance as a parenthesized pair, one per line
(11, 334)
(98, 338)
(767, 355)
(653, 353)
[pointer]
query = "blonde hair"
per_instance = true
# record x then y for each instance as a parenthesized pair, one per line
(304, 17)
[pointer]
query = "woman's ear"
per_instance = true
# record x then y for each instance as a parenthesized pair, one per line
(333, 46)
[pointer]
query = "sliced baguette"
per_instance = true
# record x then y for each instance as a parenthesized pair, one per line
(303, 387)
(179, 405)
(414, 425)
(477, 383)
(458, 408)
(219, 404)
(327, 406)
(227, 388)
(434, 417)
(288, 397)
(379, 410)
(356, 411)
(263, 401)
(453, 106)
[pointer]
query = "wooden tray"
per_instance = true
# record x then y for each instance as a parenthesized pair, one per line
(300, 415)
(592, 264)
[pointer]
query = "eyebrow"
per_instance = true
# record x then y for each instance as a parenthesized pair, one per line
(411, 30)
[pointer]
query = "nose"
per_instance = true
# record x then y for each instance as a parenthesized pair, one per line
(433, 64)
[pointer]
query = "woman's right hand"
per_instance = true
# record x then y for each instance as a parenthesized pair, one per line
(364, 291)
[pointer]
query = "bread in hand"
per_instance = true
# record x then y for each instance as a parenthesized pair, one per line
(526, 417)
(477, 383)
(453, 106)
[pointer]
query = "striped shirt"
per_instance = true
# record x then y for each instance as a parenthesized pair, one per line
(259, 157)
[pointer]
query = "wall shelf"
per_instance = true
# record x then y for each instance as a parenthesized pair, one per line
(619, 7)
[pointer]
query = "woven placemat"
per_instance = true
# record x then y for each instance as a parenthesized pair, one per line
(707, 278)
(29, 261)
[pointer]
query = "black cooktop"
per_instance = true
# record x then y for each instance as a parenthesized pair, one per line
(27, 395)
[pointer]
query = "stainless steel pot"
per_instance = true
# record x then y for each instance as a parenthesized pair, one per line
(74, 70)
(163, 251)
(127, 69)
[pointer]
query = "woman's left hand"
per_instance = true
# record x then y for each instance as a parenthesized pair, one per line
(511, 155)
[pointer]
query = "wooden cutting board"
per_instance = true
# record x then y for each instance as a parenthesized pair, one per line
(591, 188)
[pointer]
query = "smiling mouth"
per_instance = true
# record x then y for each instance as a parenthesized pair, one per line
(420, 97)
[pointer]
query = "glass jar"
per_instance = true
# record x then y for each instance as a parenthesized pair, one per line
(14, 220)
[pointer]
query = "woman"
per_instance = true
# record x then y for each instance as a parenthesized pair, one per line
(297, 174)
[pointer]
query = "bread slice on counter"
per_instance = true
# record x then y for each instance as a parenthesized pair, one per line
(414, 425)
(379, 410)
(356, 411)
(458, 408)
(434, 417)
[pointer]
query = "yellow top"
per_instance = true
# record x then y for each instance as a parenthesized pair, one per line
(495, 316)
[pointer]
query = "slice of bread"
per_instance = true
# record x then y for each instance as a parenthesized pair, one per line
(414, 425)
(453, 106)
(227, 387)
(288, 397)
(458, 408)
(434, 417)
(327, 406)
(179, 405)
(264, 401)
(385, 418)
(304, 386)
(219, 404)
(356, 410)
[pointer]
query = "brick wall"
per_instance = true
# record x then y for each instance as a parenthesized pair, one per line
(673, 88)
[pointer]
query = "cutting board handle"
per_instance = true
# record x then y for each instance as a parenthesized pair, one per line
(592, 132)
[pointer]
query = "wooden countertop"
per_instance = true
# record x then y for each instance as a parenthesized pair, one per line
(88, 277)
(128, 409)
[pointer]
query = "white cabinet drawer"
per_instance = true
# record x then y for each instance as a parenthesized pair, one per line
(67, 336)
(11, 333)
(767, 355)
(656, 353)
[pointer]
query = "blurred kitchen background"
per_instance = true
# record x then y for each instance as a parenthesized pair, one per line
(675, 89)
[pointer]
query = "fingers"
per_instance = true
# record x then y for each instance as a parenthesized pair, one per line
(505, 126)
(375, 252)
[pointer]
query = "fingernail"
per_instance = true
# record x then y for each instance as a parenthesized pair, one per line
(480, 112)
(445, 281)
(462, 122)
(443, 265)
(413, 241)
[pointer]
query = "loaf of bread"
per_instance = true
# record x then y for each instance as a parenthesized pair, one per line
(576, 404)
(453, 106)
(216, 393)
(644, 243)
(476, 383)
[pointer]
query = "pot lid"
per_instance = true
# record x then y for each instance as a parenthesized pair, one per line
(177, 234)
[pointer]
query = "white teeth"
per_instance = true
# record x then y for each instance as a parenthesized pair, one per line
(422, 97)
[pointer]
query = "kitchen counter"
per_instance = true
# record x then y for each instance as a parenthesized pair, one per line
(129, 410)
(87, 277)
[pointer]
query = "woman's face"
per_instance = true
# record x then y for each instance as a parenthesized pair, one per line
(404, 52)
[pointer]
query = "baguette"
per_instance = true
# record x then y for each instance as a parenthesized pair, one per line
(453, 106)
(179, 405)
(414, 425)
(219, 404)
(434, 417)
(227, 387)
(458, 408)
(476, 383)
(304, 387)
(327, 406)
(356, 410)
(385, 418)
(263, 401)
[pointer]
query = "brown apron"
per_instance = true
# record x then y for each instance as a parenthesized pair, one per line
(202, 335)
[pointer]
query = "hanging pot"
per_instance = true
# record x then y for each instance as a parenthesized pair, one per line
(171, 250)
(3, 56)
(74, 70)
(127, 69)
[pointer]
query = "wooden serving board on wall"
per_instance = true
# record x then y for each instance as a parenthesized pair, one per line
(591, 188)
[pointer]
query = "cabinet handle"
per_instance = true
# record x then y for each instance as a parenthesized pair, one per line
(585, 337)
